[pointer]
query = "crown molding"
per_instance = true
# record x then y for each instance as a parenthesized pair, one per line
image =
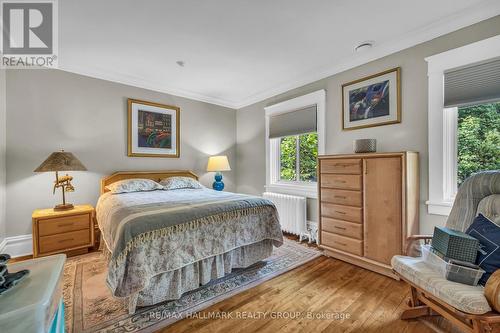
(453, 22)
(107, 75)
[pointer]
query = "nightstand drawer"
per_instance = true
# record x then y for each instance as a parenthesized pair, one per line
(64, 241)
(64, 224)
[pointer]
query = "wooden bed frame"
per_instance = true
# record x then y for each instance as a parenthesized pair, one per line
(153, 175)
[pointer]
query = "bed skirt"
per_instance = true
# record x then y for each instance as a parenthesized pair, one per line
(173, 284)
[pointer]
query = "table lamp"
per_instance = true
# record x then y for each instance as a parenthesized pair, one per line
(218, 164)
(62, 161)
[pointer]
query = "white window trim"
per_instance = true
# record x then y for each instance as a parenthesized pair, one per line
(442, 123)
(273, 182)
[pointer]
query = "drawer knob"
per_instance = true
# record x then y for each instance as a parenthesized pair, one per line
(342, 244)
(65, 224)
(341, 228)
(339, 212)
(340, 197)
(340, 181)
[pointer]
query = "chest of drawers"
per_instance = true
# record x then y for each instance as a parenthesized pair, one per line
(368, 204)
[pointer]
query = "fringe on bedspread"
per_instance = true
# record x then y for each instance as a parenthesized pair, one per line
(139, 240)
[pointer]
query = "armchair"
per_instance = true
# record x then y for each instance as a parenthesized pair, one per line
(431, 294)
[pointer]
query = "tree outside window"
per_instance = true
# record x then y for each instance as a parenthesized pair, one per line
(298, 157)
(478, 139)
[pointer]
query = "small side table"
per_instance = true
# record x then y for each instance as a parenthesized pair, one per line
(35, 305)
(68, 231)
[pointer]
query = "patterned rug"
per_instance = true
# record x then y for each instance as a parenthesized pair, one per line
(91, 308)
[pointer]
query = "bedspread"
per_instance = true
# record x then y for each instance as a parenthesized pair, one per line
(149, 233)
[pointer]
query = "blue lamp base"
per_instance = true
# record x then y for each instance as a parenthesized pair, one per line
(218, 185)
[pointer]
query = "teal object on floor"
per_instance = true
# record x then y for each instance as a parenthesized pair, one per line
(58, 321)
(35, 304)
(218, 184)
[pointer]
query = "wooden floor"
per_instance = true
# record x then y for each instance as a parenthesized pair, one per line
(324, 287)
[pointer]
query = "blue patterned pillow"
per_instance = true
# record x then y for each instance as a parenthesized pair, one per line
(174, 183)
(488, 234)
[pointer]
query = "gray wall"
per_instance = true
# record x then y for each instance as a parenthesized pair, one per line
(2, 153)
(411, 134)
(48, 110)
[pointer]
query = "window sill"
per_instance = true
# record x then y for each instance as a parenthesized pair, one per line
(439, 208)
(308, 191)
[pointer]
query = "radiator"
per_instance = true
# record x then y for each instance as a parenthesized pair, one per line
(292, 212)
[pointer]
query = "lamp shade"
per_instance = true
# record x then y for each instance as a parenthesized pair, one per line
(61, 161)
(218, 163)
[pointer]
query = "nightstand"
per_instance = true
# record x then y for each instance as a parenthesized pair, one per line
(68, 231)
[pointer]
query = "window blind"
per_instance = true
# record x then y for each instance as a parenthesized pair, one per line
(293, 123)
(474, 84)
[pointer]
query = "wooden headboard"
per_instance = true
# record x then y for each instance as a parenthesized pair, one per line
(153, 175)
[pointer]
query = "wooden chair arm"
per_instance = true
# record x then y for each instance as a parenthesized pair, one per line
(415, 238)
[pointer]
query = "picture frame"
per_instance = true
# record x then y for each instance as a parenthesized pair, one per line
(153, 129)
(371, 101)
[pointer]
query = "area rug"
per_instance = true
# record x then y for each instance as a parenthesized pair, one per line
(91, 308)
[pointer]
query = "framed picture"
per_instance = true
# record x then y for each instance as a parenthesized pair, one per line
(153, 129)
(372, 101)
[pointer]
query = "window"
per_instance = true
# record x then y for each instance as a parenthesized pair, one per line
(298, 157)
(478, 142)
(464, 118)
(294, 137)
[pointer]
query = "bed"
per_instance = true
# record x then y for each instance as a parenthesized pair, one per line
(163, 243)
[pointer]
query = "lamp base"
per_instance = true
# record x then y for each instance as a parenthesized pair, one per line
(218, 185)
(64, 207)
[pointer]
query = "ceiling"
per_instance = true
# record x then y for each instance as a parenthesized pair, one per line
(238, 52)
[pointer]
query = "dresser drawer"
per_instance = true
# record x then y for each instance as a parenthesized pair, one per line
(342, 243)
(345, 213)
(346, 182)
(349, 229)
(342, 166)
(64, 224)
(64, 241)
(341, 197)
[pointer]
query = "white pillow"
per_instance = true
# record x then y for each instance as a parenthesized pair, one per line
(174, 183)
(133, 185)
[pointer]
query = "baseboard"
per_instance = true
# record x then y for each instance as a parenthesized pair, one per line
(3, 244)
(17, 246)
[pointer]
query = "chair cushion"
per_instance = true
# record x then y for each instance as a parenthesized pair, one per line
(469, 299)
(488, 234)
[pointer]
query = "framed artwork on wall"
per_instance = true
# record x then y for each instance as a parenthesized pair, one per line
(153, 129)
(372, 101)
